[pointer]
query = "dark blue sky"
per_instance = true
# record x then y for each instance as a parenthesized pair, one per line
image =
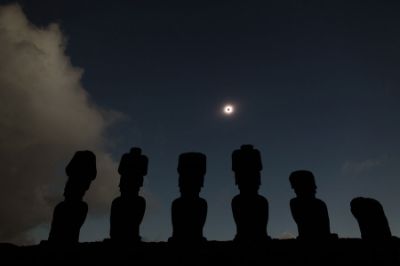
(316, 87)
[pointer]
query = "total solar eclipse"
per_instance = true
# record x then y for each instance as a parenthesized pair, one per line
(229, 109)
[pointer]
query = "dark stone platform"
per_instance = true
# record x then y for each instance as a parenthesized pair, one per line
(274, 252)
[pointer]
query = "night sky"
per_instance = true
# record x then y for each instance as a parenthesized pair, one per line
(315, 86)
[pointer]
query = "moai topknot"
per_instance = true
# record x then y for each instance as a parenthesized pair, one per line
(70, 214)
(189, 211)
(127, 211)
(250, 210)
(371, 219)
(309, 212)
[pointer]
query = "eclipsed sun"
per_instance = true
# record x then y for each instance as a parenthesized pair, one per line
(229, 109)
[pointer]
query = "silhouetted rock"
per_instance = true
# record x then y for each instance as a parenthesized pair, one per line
(70, 214)
(127, 211)
(310, 213)
(371, 218)
(189, 211)
(250, 210)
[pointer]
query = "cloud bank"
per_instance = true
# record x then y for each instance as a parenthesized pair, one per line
(45, 116)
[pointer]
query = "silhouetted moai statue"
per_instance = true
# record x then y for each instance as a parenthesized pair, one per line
(69, 215)
(250, 210)
(127, 211)
(309, 212)
(371, 219)
(189, 211)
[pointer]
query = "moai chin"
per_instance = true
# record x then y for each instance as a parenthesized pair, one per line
(250, 210)
(70, 214)
(127, 211)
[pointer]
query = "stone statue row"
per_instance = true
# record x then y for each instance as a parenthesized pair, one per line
(189, 211)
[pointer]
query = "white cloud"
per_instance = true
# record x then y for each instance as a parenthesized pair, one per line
(45, 116)
(359, 167)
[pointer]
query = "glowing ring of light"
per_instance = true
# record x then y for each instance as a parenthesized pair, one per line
(229, 109)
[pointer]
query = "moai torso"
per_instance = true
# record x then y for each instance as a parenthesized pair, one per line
(68, 218)
(251, 217)
(311, 217)
(126, 217)
(188, 218)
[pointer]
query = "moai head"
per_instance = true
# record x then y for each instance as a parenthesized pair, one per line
(303, 183)
(191, 168)
(371, 218)
(247, 165)
(81, 171)
(132, 168)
